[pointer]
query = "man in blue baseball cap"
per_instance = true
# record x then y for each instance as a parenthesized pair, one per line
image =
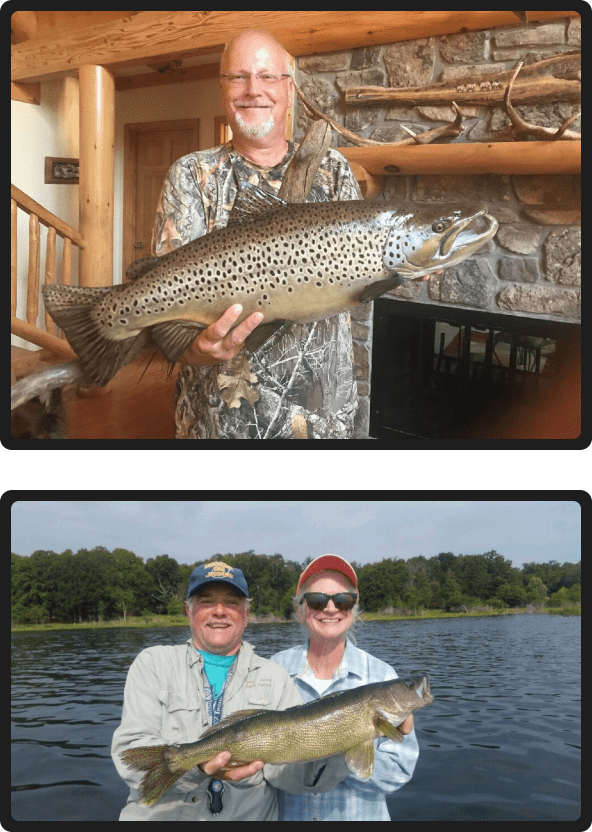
(174, 693)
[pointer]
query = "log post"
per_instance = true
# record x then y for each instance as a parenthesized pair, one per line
(97, 139)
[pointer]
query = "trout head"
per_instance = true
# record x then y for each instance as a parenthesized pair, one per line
(426, 240)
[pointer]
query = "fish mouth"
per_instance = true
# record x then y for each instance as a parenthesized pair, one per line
(462, 235)
(423, 689)
(465, 236)
(424, 685)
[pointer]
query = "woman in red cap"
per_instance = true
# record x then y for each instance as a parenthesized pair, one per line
(327, 603)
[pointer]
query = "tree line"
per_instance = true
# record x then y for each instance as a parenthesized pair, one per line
(101, 585)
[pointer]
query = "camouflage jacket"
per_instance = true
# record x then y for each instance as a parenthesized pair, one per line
(300, 384)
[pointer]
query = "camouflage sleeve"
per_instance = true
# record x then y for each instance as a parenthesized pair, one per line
(335, 179)
(346, 186)
(180, 212)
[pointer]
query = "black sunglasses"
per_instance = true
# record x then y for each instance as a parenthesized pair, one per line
(319, 600)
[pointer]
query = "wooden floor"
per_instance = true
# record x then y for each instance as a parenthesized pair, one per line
(137, 405)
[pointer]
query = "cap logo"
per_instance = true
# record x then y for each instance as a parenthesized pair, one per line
(218, 570)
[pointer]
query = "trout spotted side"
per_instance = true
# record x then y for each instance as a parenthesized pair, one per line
(293, 262)
(341, 723)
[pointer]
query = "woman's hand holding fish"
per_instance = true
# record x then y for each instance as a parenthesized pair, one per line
(406, 727)
(215, 765)
(219, 342)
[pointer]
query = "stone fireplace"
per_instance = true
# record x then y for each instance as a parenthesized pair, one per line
(531, 269)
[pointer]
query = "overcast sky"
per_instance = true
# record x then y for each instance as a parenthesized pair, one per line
(364, 531)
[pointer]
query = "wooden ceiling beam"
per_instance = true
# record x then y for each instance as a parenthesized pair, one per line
(162, 35)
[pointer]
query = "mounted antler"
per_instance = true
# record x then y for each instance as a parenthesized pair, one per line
(521, 128)
(454, 129)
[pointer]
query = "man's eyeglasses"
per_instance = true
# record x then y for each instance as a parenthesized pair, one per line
(318, 600)
(240, 79)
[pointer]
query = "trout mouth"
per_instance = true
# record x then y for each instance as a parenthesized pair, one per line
(466, 232)
(463, 238)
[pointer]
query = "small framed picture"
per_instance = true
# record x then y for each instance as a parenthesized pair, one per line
(61, 171)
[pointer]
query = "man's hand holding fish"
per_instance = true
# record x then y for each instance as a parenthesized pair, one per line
(219, 342)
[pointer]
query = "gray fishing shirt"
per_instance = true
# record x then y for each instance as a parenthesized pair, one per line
(301, 383)
(165, 703)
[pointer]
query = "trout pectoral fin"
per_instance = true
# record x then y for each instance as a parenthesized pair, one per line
(387, 728)
(262, 334)
(360, 759)
(378, 288)
(174, 337)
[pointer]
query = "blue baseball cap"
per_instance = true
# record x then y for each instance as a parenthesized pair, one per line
(217, 572)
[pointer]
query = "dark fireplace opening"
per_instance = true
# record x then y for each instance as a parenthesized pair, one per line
(454, 374)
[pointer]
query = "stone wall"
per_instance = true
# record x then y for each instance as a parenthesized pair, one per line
(532, 266)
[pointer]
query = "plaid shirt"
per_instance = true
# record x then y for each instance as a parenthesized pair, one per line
(352, 798)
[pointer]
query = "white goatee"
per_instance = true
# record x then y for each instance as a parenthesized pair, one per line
(255, 131)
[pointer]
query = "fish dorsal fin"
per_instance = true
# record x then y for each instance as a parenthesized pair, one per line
(238, 716)
(251, 200)
(141, 266)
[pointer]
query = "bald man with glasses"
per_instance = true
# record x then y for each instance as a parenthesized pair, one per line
(301, 383)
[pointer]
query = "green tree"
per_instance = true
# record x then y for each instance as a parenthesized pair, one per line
(511, 594)
(451, 595)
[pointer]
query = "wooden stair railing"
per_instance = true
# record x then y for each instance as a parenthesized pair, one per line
(55, 226)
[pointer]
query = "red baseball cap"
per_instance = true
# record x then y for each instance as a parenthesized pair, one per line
(323, 562)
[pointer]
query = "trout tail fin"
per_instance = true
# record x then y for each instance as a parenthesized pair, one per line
(155, 760)
(71, 308)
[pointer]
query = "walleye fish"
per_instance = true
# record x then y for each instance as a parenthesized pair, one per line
(345, 722)
(295, 262)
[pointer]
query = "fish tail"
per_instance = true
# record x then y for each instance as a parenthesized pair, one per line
(156, 761)
(71, 307)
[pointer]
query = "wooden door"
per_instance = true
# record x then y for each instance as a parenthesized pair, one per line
(150, 150)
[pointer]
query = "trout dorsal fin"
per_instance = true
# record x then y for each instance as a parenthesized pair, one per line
(140, 267)
(251, 200)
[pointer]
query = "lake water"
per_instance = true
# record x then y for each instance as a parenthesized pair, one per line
(501, 741)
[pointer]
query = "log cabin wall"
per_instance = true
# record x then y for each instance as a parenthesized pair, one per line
(532, 266)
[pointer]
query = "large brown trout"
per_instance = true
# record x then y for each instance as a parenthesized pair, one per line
(341, 723)
(293, 262)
